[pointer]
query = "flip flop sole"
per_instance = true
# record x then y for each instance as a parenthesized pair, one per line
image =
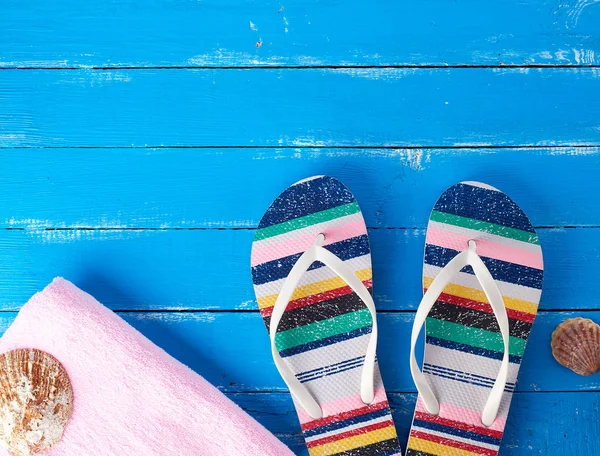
(463, 344)
(323, 334)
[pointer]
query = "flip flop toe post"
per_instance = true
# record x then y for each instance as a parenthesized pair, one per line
(311, 268)
(464, 343)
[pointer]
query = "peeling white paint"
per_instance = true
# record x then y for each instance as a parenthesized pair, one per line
(302, 60)
(584, 56)
(311, 148)
(110, 76)
(35, 64)
(250, 304)
(222, 56)
(573, 151)
(168, 317)
(308, 141)
(40, 224)
(31, 223)
(13, 139)
(574, 13)
(286, 24)
(413, 158)
(380, 74)
(230, 58)
(94, 78)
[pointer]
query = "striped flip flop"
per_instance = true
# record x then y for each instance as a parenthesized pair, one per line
(482, 277)
(311, 268)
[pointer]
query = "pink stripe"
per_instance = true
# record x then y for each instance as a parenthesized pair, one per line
(301, 243)
(470, 417)
(342, 405)
(485, 248)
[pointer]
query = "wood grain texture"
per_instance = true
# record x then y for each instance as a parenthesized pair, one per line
(209, 269)
(113, 33)
(231, 350)
(547, 424)
(231, 188)
(310, 107)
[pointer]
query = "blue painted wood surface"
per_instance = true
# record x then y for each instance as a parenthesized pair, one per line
(140, 143)
(224, 188)
(230, 188)
(301, 107)
(113, 33)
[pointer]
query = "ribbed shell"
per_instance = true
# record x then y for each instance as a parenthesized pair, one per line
(576, 345)
(36, 401)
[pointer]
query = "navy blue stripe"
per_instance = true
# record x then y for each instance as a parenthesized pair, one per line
(463, 379)
(324, 342)
(434, 370)
(327, 374)
(442, 368)
(329, 367)
(457, 432)
(456, 379)
(278, 269)
(500, 270)
(470, 349)
(350, 421)
(461, 375)
(483, 204)
(306, 198)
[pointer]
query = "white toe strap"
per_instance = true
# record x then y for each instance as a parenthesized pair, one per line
(468, 257)
(318, 253)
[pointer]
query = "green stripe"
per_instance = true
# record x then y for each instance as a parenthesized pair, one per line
(479, 225)
(307, 220)
(455, 332)
(323, 329)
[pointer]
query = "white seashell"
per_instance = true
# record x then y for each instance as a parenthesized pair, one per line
(36, 401)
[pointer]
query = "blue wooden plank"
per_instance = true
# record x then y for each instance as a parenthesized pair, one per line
(187, 269)
(548, 424)
(310, 107)
(222, 188)
(307, 32)
(231, 350)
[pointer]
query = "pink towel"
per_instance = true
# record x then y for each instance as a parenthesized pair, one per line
(130, 397)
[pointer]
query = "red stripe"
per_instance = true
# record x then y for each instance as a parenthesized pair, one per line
(454, 444)
(313, 299)
(345, 415)
(458, 425)
(353, 432)
(484, 307)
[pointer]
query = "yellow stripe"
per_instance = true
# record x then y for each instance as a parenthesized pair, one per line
(436, 448)
(315, 288)
(479, 295)
(353, 442)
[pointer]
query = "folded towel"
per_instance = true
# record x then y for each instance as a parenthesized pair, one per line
(130, 397)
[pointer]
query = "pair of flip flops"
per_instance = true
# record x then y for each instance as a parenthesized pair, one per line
(482, 277)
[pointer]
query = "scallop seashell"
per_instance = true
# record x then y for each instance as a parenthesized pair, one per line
(36, 401)
(576, 345)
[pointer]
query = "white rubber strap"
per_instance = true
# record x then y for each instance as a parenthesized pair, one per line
(318, 253)
(465, 258)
